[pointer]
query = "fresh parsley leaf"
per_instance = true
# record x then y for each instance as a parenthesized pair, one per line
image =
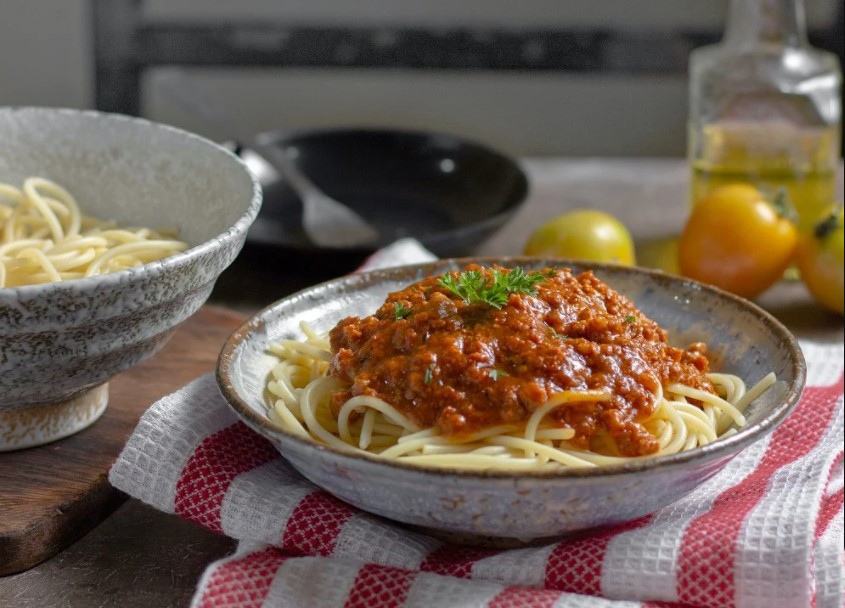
(555, 334)
(495, 374)
(400, 311)
(429, 374)
(631, 319)
(466, 285)
(473, 287)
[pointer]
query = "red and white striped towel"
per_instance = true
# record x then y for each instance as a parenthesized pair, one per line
(765, 532)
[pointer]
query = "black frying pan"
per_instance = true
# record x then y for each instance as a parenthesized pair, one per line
(447, 192)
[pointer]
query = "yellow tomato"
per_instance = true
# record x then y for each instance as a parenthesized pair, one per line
(583, 235)
(733, 193)
(820, 254)
(737, 240)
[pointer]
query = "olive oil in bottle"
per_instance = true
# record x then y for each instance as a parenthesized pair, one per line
(765, 109)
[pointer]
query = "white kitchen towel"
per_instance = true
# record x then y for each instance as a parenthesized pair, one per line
(765, 532)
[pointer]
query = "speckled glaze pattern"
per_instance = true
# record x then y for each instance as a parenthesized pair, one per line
(745, 340)
(59, 339)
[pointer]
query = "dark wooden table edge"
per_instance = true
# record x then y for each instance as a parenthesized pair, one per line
(72, 521)
(76, 518)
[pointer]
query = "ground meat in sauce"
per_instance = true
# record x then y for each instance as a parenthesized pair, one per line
(463, 367)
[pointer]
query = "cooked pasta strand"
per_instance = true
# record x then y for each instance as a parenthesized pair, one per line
(300, 391)
(45, 238)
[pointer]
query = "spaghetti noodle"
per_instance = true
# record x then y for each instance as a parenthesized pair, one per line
(399, 417)
(44, 238)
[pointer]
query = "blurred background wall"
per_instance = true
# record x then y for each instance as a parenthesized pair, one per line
(46, 59)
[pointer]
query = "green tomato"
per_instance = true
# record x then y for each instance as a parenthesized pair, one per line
(583, 235)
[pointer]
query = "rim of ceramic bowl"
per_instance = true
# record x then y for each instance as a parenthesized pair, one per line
(152, 269)
(722, 447)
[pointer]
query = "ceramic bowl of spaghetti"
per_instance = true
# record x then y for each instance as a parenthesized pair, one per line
(511, 398)
(113, 230)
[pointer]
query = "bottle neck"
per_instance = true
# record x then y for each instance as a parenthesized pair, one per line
(754, 23)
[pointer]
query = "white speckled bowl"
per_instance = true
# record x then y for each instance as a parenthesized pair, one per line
(59, 343)
(475, 506)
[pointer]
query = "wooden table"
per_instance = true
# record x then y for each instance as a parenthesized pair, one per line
(140, 558)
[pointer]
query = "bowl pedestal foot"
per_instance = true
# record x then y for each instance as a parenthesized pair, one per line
(31, 425)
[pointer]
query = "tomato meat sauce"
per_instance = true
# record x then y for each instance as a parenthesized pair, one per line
(461, 365)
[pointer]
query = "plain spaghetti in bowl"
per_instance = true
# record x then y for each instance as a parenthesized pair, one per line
(44, 238)
(113, 231)
(495, 368)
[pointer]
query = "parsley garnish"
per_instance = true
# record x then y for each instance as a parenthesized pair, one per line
(429, 374)
(400, 311)
(495, 374)
(631, 319)
(473, 287)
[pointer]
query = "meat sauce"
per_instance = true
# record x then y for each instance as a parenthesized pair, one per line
(462, 366)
